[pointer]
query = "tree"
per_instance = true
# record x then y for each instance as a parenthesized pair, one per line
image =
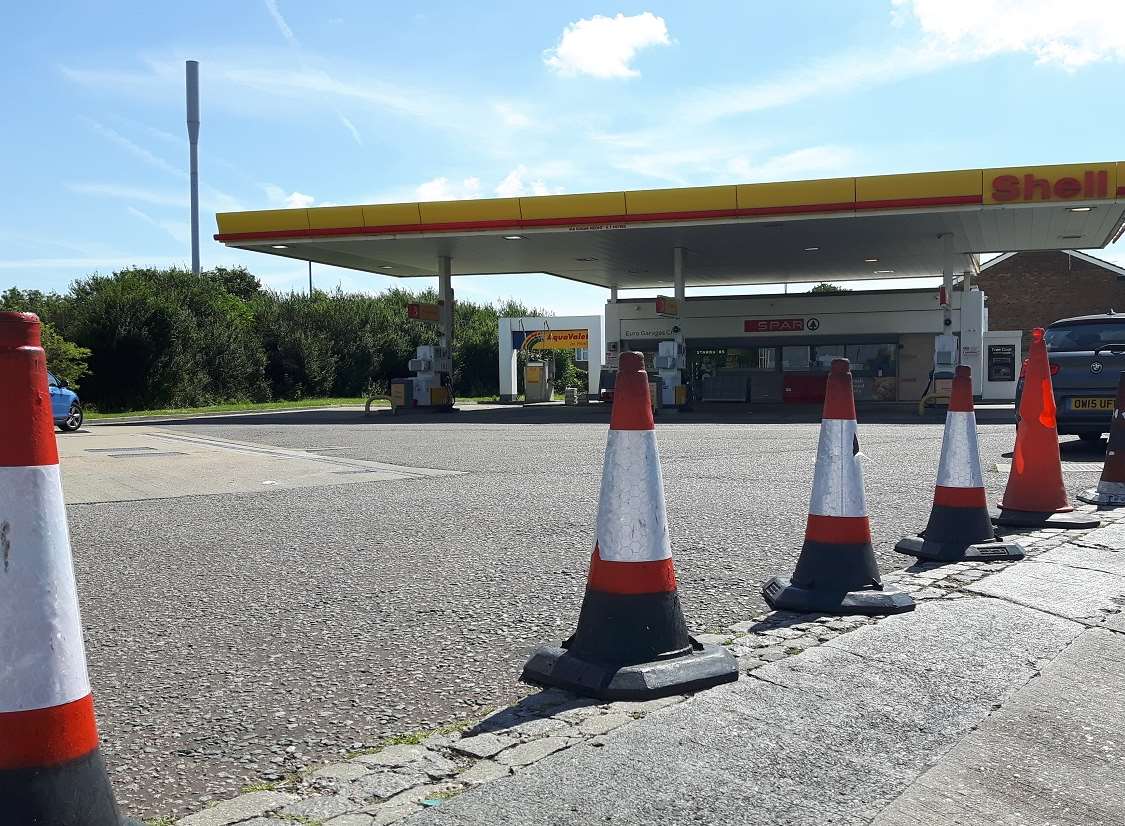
(238, 281)
(826, 287)
(65, 359)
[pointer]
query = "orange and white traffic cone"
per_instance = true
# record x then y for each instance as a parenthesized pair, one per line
(959, 528)
(51, 771)
(631, 642)
(1035, 496)
(836, 572)
(1111, 487)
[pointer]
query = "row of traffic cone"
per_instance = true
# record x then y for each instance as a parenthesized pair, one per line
(632, 641)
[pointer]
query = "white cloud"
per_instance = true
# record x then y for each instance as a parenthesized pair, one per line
(510, 116)
(134, 149)
(605, 46)
(287, 33)
(351, 128)
(1070, 35)
(87, 264)
(801, 163)
(441, 189)
(278, 197)
(208, 200)
(179, 230)
(279, 21)
(514, 184)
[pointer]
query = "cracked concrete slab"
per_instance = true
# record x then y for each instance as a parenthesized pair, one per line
(1054, 754)
(830, 735)
(1109, 536)
(1080, 583)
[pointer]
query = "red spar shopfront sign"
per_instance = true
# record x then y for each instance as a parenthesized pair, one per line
(774, 325)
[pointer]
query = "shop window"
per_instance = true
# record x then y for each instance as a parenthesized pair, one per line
(795, 359)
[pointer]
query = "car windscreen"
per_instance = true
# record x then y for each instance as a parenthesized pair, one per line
(1088, 335)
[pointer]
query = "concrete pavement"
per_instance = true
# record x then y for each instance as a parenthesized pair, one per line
(1000, 700)
(1004, 706)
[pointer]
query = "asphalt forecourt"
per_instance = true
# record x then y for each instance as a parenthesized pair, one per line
(868, 698)
(241, 639)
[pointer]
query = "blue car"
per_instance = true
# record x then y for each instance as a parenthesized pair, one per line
(66, 409)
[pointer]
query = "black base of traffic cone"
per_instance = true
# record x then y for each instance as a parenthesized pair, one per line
(75, 793)
(1106, 493)
(922, 548)
(783, 595)
(835, 579)
(1048, 519)
(705, 666)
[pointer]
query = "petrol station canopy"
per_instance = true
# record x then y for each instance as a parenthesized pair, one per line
(840, 229)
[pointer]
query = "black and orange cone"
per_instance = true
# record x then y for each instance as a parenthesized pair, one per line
(959, 528)
(631, 642)
(1111, 487)
(836, 572)
(51, 772)
(1035, 496)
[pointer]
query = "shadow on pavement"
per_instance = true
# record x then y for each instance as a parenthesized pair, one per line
(544, 704)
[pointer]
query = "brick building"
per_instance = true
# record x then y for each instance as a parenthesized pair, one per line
(1032, 289)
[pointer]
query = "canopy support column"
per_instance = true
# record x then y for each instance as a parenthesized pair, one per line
(678, 274)
(445, 297)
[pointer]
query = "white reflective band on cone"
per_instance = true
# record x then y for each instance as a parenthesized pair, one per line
(42, 658)
(959, 466)
(632, 526)
(838, 481)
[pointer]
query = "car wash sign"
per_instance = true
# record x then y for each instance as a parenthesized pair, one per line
(781, 325)
(550, 339)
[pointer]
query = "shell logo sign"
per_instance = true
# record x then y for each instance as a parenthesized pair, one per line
(1051, 183)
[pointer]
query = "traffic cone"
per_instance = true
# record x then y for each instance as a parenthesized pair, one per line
(959, 528)
(836, 572)
(1035, 496)
(51, 772)
(632, 642)
(1111, 487)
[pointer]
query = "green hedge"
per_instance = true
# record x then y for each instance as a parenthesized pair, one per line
(156, 338)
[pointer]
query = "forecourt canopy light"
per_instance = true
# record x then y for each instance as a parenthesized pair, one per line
(838, 229)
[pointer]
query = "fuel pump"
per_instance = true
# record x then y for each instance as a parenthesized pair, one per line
(538, 378)
(670, 362)
(433, 371)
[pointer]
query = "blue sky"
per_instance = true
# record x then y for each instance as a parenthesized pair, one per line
(342, 101)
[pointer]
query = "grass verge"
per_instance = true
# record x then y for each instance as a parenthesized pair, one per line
(236, 407)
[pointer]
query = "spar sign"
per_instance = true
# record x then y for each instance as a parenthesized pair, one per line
(550, 339)
(780, 325)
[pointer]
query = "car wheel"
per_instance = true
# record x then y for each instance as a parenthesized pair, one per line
(1090, 438)
(73, 419)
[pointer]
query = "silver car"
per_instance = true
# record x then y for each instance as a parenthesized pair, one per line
(1087, 355)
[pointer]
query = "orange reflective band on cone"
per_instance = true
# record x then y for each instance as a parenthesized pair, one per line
(631, 577)
(842, 530)
(47, 736)
(960, 497)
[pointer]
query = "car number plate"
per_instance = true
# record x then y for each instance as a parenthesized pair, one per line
(1089, 403)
